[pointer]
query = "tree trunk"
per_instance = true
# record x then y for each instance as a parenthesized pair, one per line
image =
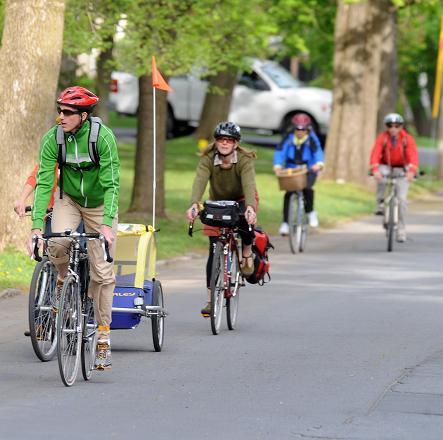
(141, 203)
(103, 80)
(30, 57)
(439, 136)
(357, 68)
(388, 77)
(422, 119)
(216, 106)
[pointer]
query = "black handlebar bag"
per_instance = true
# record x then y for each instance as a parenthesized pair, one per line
(220, 213)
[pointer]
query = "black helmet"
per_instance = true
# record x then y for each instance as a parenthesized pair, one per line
(228, 129)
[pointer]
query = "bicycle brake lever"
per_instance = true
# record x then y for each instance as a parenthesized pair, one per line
(105, 248)
(35, 251)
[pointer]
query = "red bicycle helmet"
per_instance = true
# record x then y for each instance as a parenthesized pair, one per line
(301, 121)
(78, 97)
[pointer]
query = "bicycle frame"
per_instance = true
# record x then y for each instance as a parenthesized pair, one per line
(391, 201)
(229, 240)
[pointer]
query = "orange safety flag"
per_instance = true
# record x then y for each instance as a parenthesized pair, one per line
(157, 80)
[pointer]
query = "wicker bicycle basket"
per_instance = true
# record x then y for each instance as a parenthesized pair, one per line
(292, 179)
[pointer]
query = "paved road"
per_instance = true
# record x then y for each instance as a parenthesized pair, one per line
(344, 343)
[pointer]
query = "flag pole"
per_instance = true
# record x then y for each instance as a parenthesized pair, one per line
(154, 158)
(158, 82)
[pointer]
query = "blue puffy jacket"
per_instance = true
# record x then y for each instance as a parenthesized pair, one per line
(310, 152)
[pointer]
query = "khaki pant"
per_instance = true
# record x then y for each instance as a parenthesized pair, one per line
(67, 214)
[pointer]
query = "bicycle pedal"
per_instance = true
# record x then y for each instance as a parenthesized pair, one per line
(206, 315)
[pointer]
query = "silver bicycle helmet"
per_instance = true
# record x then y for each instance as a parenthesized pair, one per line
(394, 118)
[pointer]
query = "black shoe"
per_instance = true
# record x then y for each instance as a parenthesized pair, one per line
(379, 211)
(27, 333)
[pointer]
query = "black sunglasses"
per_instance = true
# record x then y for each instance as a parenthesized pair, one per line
(393, 125)
(67, 112)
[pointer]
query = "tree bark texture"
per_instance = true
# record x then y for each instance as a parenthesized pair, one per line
(357, 70)
(141, 203)
(216, 106)
(388, 76)
(30, 58)
(104, 70)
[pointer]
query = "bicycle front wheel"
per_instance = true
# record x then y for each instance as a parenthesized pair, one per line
(391, 224)
(304, 232)
(232, 301)
(295, 223)
(41, 312)
(69, 331)
(217, 288)
(89, 340)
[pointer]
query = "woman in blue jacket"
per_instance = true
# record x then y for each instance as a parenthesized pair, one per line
(301, 147)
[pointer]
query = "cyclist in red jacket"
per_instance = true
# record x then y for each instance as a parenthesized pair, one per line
(394, 149)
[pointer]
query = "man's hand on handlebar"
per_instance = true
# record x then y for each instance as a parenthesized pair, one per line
(410, 175)
(250, 215)
(108, 234)
(34, 240)
(192, 212)
(377, 175)
(20, 208)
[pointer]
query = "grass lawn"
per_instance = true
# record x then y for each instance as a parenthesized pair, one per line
(334, 203)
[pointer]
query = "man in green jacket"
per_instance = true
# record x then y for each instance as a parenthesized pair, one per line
(90, 192)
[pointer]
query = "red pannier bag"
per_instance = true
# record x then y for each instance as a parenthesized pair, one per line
(262, 265)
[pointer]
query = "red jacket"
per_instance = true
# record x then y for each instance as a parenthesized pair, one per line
(32, 181)
(404, 154)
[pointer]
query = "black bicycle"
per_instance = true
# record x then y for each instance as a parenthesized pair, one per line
(41, 305)
(76, 327)
(41, 310)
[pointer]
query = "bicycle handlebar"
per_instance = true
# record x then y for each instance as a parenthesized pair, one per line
(73, 235)
(29, 209)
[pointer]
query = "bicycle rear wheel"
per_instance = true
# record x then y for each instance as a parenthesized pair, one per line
(391, 225)
(40, 310)
(295, 225)
(158, 321)
(89, 340)
(217, 288)
(232, 301)
(69, 331)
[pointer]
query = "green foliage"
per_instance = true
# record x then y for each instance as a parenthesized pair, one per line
(15, 269)
(186, 33)
(90, 24)
(418, 32)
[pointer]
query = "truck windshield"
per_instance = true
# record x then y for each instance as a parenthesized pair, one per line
(280, 76)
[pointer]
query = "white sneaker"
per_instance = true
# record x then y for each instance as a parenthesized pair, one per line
(401, 236)
(284, 229)
(313, 219)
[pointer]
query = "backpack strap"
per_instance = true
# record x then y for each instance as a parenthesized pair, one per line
(93, 137)
(61, 156)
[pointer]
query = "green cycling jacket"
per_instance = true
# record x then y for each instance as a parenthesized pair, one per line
(89, 188)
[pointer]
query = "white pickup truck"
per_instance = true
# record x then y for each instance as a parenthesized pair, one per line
(264, 99)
